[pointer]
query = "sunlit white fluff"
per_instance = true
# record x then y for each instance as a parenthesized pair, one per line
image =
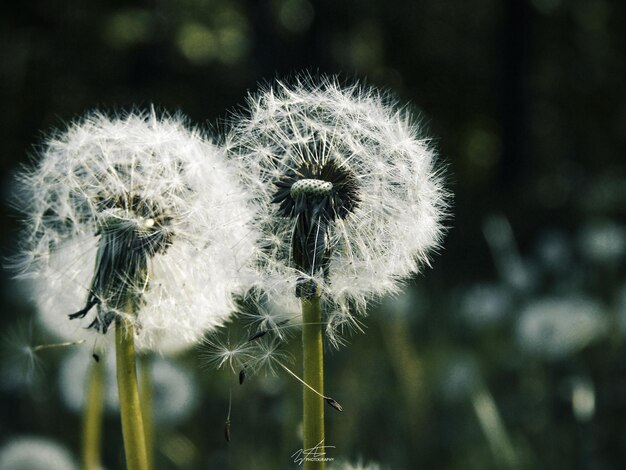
(82, 184)
(396, 222)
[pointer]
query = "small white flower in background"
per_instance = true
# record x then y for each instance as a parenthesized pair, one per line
(174, 388)
(513, 269)
(485, 304)
(358, 465)
(35, 453)
(73, 380)
(347, 178)
(138, 210)
(583, 396)
(460, 378)
(556, 327)
(554, 251)
(603, 241)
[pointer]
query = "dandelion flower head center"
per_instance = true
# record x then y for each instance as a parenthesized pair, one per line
(316, 194)
(311, 188)
(132, 229)
(323, 189)
(142, 222)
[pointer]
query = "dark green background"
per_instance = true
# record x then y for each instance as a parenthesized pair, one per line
(527, 106)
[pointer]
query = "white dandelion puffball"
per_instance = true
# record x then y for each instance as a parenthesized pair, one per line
(137, 214)
(344, 176)
(35, 453)
(556, 327)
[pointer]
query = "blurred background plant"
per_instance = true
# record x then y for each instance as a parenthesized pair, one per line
(508, 353)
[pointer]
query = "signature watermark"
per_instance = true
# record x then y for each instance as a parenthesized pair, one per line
(314, 454)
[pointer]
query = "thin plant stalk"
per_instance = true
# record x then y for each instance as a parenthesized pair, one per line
(313, 365)
(92, 418)
(130, 407)
(493, 428)
(409, 372)
(145, 389)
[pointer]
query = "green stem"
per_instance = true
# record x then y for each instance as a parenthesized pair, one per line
(145, 377)
(92, 418)
(130, 408)
(313, 363)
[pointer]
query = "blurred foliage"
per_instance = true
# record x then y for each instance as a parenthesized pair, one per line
(526, 103)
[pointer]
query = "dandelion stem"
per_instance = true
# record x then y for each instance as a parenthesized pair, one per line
(313, 364)
(92, 418)
(130, 407)
(145, 389)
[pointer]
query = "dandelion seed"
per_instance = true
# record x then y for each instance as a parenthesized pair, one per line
(332, 402)
(20, 353)
(348, 198)
(268, 357)
(134, 209)
(227, 431)
(258, 335)
(218, 353)
(268, 318)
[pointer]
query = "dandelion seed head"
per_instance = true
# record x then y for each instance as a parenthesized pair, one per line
(134, 209)
(350, 200)
(311, 188)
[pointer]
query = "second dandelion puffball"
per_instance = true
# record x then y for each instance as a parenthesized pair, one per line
(134, 211)
(349, 199)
